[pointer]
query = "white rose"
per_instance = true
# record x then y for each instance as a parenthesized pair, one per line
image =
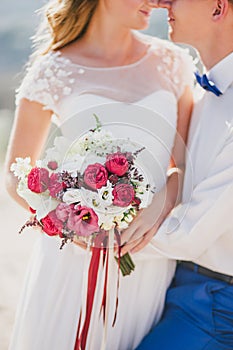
(72, 196)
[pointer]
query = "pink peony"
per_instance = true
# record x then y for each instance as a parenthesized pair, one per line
(55, 185)
(95, 176)
(52, 225)
(123, 195)
(83, 221)
(38, 180)
(117, 163)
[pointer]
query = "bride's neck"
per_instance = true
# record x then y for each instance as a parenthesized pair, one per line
(107, 40)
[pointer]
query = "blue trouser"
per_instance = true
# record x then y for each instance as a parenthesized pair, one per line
(198, 315)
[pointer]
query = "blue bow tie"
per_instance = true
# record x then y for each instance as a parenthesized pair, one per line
(207, 84)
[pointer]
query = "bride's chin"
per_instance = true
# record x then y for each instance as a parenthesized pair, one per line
(142, 24)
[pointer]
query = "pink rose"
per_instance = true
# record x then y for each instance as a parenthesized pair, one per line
(117, 163)
(83, 221)
(52, 165)
(95, 176)
(63, 211)
(52, 225)
(123, 195)
(55, 185)
(38, 180)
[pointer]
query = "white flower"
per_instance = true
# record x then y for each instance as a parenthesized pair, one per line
(118, 218)
(82, 146)
(128, 218)
(22, 167)
(105, 194)
(123, 225)
(43, 203)
(106, 222)
(48, 204)
(140, 189)
(72, 196)
(91, 199)
(96, 142)
(107, 225)
(59, 152)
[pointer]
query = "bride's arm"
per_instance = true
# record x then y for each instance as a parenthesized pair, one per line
(28, 136)
(148, 220)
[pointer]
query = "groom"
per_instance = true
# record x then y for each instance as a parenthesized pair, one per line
(199, 306)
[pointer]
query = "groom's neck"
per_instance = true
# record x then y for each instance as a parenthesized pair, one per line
(211, 57)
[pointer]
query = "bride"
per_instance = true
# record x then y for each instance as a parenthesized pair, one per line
(89, 53)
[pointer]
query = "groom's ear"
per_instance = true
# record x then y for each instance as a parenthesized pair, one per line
(220, 9)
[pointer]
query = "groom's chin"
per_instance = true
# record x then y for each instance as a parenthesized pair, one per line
(177, 38)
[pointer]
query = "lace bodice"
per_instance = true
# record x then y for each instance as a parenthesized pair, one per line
(55, 81)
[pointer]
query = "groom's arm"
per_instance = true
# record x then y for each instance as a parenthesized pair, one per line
(193, 227)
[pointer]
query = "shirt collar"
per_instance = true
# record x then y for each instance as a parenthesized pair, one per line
(222, 73)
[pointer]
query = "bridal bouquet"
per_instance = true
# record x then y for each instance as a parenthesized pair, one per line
(88, 190)
(85, 190)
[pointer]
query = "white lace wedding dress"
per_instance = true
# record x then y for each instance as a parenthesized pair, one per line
(48, 311)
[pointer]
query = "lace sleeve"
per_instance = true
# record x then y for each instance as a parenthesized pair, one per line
(47, 80)
(176, 66)
(182, 71)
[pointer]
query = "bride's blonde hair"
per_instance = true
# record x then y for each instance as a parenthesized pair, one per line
(64, 21)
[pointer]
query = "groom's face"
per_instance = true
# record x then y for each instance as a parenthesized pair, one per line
(189, 20)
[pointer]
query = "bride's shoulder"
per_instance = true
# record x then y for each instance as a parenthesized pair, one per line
(165, 48)
(47, 79)
(48, 65)
(174, 63)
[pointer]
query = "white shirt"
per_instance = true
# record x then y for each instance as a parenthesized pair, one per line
(201, 228)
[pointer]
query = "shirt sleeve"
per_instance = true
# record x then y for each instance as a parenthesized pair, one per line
(194, 227)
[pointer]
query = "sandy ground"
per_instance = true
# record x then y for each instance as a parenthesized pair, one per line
(14, 254)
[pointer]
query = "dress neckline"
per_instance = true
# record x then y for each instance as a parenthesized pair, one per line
(81, 66)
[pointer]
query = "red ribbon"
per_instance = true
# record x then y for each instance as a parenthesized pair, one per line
(100, 244)
(118, 240)
(81, 339)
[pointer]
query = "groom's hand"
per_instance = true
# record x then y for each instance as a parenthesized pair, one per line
(143, 227)
(135, 245)
(148, 220)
